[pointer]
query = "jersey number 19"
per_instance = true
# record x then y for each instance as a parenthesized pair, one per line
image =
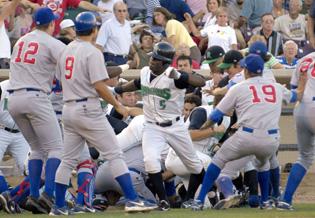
(269, 94)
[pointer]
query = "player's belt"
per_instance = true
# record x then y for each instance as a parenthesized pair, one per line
(250, 130)
(9, 129)
(27, 89)
(166, 123)
(58, 112)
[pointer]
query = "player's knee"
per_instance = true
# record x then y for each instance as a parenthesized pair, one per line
(54, 153)
(152, 167)
(37, 155)
(306, 161)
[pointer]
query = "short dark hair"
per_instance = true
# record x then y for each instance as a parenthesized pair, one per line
(184, 57)
(86, 32)
(267, 14)
(145, 33)
(168, 15)
(193, 99)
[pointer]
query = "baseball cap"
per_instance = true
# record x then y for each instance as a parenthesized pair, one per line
(230, 58)
(258, 48)
(66, 23)
(213, 54)
(253, 63)
(44, 16)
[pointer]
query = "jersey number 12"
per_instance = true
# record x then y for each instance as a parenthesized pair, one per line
(32, 49)
(269, 92)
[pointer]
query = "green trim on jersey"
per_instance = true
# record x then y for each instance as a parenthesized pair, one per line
(163, 93)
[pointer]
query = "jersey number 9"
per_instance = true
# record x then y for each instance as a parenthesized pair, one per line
(69, 67)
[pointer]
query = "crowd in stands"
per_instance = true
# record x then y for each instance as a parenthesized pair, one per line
(128, 32)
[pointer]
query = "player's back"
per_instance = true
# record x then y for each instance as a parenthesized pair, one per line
(33, 61)
(257, 102)
(79, 67)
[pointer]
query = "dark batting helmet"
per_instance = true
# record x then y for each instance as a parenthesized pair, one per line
(164, 51)
(85, 21)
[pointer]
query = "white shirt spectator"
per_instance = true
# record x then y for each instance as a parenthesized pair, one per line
(5, 45)
(115, 37)
(223, 36)
(291, 29)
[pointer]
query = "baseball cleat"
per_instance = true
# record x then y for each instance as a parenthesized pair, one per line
(228, 202)
(63, 211)
(187, 204)
(32, 204)
(164, 206)
(282, 205)
(196, 205)
(266, 205)
(78, 209)
(4, 202)
(139, 206)
(45, 201)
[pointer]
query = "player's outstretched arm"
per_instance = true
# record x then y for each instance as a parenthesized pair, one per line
(8, 9)
(105, 93)
(130, 86)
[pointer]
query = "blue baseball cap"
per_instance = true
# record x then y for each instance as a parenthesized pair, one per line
(44, 16)
(253, 63)
(258, 48)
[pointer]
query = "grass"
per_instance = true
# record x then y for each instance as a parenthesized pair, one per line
(302, 211)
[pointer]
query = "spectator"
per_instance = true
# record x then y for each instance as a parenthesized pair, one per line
(142, 53)
(234, 11)
(288, 59)
(220, 34)
(252, 11)
(107, 5)
(6, 9)
(176, 33)
(210, 18)
(59, 7)
(183, 50)
(278, 9)
(67, 32)
(273, 39)
(136, 9)
(196, 5)
(114, 37)
(191, 101)
(311, 25)
(292, 26)
(178, 8)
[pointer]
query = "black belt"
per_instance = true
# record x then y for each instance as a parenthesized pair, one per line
(116, 55)
(58, 112)
(11, 130)
(167, 123)
(27, 89)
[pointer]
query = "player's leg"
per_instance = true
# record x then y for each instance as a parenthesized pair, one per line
(180, 141)
(153, 142)
(275, 177)
(305, 128)
(4, 142)
(251, 181)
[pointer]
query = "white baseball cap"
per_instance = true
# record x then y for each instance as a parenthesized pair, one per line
(66, 23)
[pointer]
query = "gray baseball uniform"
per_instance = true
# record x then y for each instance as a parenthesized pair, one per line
(33, 65)
(79, 67)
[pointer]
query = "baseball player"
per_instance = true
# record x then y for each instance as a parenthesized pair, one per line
(257, 135)
(33, 65)
(83, 76)
(163, 90)
(304, 115)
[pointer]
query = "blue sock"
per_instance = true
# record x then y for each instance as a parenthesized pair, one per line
(126, 185)
(61, 195)
(35, 171)
(212, 174)
(81, 179)
(50, 170)
(170, 188)
(296, 175)
(263, 179)
(275, 181)
(3, 184)
(226, 186)
(19, 188)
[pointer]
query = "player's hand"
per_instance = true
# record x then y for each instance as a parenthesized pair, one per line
(104, 10)
(171, 73)
(122, 110)
(208, 91)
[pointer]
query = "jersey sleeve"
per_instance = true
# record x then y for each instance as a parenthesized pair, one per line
(229, 100)
(96, 67)
(197, 118)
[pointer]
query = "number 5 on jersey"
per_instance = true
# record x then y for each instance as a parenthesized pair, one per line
(69, 67)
